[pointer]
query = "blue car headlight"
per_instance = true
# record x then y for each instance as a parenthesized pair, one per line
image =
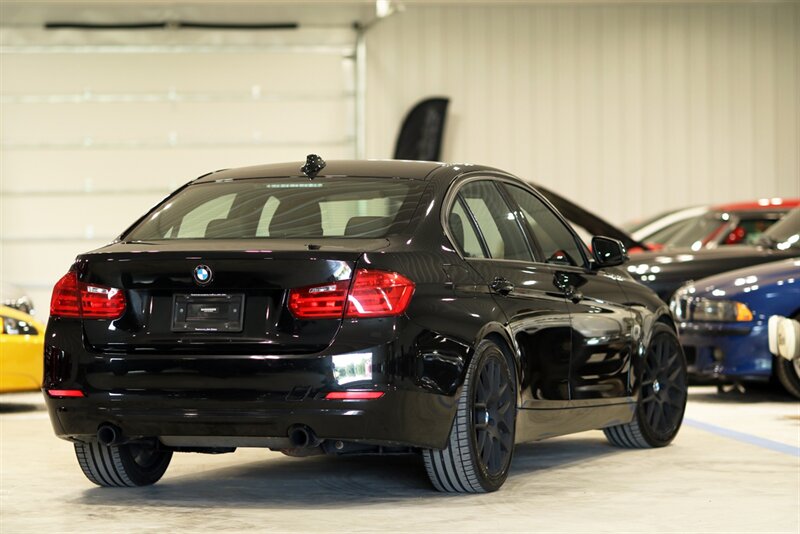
(704, 309)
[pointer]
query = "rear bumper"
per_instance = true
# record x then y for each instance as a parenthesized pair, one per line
(726, 351)
(241, 397)
(404, 418)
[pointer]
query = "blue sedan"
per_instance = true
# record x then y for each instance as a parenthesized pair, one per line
(723, 323)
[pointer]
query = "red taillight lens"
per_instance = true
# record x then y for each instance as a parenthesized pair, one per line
(354, 395)
(89, 301)
(99, 302)
(325, 301)
(65, 393)
(378, 294)
(65, 301)
(372, 294)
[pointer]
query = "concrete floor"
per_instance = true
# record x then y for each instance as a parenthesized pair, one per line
(735, 467)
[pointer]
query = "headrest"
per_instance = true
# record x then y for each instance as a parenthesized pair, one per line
(457, 229)
(296, 220)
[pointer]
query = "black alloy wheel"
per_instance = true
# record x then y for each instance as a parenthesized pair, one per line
(663, 391)
(479, 450)
(664, 386)
(493, 415)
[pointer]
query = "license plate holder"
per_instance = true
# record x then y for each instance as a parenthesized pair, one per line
(207, 312)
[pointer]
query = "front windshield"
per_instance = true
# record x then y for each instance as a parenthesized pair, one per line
(696, 232)
(784, 234)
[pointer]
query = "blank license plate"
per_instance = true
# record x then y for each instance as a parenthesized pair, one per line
(207, 313)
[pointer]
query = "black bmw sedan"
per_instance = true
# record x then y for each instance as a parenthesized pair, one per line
(355, 307)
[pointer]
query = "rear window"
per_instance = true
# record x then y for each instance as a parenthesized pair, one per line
(284, 209)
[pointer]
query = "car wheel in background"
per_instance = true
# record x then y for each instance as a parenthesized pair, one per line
(788, 371)
(122, 465)
(662, 396)
(481, 443)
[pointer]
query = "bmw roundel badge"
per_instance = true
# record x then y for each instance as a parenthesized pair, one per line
(202, 274)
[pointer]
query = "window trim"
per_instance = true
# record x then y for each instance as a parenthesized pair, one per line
(503, 178)
(487, 254)
(474, 220)
(578, 242)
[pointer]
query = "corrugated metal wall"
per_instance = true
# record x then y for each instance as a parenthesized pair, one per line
(626, 109)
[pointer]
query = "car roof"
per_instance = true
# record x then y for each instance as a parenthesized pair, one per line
(418, 170)
(760, 204)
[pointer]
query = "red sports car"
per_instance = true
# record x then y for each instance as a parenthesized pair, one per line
(712, 226)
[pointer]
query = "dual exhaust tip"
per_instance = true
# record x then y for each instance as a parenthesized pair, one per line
(300, 436)
(109, 434)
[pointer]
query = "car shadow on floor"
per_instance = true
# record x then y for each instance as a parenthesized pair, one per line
(322, 481)
(19, 407)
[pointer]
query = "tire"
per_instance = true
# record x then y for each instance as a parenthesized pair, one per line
(788, 372)
(122, 465)
(481, 443)
(662, 396)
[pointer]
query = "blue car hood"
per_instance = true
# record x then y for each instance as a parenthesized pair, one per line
(752, 279)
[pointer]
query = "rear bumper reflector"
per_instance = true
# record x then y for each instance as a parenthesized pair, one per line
(65, 393)
(354, 395)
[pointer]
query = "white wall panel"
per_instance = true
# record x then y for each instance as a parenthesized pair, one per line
(628, 109)
(93, 137)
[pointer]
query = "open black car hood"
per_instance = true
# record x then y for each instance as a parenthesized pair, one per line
(591, 222)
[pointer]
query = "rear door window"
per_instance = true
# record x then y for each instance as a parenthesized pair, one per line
(558, 244)
(463, 231)
(496, 221)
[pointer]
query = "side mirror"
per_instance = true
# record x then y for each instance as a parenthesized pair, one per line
(608, 252)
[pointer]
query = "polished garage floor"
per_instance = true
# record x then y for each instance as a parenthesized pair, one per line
(734, 467)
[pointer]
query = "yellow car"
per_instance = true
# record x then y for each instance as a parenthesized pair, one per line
(21, 351)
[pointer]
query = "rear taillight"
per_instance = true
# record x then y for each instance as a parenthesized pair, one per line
(378, 294)
(65, 301)
(324, 301)
(371, 294)
(72, 298)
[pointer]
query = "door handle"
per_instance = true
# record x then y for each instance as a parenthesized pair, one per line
(502, 286)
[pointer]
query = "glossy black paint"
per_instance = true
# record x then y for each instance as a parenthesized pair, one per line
(577, 335)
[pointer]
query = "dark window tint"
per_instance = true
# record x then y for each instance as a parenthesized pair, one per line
(18, 327)
(557, 242)
(284, 208)
(463, 231)
(496, 221)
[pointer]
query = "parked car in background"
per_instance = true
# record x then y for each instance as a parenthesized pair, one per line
(705, 227)
(664, 221)
(723, 323)
(14, 297)
(21, 348)
(355, 307)
(665, 271)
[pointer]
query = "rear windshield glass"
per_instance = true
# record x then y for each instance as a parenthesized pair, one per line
(284, 209)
